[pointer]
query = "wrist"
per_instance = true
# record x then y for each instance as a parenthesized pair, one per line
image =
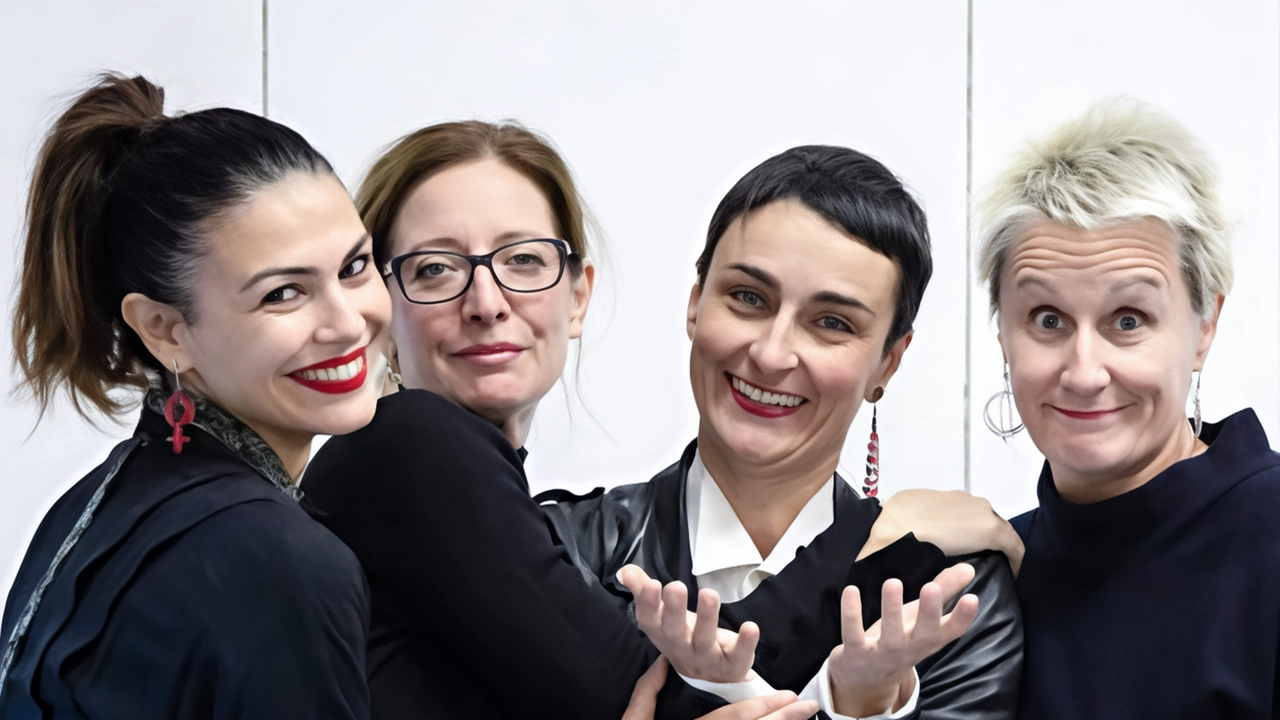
(861, 701)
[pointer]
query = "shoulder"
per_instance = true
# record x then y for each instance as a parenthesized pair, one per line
(414, 435)
(1022, 523)
(273, 547)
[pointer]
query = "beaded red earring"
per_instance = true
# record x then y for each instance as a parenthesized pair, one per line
(871, 485)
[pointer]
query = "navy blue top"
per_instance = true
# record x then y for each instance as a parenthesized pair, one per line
(199, 590)
(1163, 602)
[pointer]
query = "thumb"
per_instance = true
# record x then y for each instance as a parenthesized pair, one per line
(644, 699)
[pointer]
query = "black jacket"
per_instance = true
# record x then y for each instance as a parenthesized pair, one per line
(199, 590)
(798, 610)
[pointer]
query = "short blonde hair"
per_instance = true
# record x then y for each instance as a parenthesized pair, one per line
(1123, 160)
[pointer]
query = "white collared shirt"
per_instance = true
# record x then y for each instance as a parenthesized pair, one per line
(726, 560)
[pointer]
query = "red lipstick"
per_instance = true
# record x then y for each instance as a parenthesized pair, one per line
(492, 354)
(317, 377)
(758, 408)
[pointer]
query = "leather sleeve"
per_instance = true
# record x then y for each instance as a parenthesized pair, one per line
(978, 676)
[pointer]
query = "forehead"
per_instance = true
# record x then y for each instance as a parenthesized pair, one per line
(472, 203)
(1047, 254)
(304, 219)
(807, 252)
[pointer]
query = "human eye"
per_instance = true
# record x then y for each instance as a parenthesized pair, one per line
(830, 322)
(525, 259)
(1128, 322)
(747, 297)
(355, 267)
(1047, 320)
(431, 270)
(281, 294)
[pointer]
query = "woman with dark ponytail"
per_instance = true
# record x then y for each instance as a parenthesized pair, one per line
(211, 265)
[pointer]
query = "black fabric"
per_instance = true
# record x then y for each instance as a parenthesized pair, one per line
(198, 591)
(477, 612)
(798, 610)
(1163, 602)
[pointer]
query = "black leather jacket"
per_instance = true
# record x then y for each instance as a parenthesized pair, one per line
(798, 610)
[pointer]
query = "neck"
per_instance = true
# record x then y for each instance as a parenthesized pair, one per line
(293, 448)
(766, 498)
(517, 425)
(1084, 488)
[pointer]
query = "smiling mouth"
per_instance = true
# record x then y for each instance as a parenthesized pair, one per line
(335, 375)
(1086, 415)
(761, 402)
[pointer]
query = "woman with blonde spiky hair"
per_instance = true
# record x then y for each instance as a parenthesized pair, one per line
(1148, 584)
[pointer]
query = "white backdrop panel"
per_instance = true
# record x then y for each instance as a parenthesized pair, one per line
(660, 107)
(202, 54)
(1214, 66)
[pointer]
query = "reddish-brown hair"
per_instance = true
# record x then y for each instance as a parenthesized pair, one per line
(423, 153)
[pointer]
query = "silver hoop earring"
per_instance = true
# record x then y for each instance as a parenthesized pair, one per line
(1197, 423)
(1003, 425)
(393, 377)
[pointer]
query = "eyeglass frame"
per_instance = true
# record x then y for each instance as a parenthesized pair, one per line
(393, 268)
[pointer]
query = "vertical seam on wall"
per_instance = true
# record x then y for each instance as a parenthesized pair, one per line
(968, 250)
(264, 58)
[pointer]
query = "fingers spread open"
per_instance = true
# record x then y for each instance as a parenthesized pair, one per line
(891, 623)
(955, 579)
(959, 620)
(675, 611)
(851, 631)
(708, 621)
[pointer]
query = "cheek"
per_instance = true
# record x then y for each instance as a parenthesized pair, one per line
(418, 329)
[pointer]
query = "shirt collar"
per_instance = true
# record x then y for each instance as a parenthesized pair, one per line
(717, 539)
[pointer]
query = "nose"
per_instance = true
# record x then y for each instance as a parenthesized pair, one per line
(774, 350)
(342, 320)
(484, 301)
(1086, 372)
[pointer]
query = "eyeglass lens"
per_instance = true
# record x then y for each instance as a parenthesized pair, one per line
(523, 267)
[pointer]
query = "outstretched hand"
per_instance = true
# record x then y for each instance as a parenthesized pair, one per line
(693, 641)
(871, 670)
(778, 706)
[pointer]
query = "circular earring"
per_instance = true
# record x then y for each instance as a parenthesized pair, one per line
(393, 377)
(178, 411)
(1197, 423)
(1003, 424)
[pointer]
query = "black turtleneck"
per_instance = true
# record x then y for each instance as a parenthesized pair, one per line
(1163, 602)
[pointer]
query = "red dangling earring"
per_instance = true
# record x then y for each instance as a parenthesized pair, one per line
(871, 485)
(178, 399)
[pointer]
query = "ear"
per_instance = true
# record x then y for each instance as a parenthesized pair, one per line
(691, 315)
(889, 365)
(161, 328)
(582, 288)
(1208, 330)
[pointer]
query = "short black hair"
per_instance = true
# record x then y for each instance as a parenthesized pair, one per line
(854, 191)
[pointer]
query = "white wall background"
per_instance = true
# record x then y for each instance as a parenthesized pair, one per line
(659, 108)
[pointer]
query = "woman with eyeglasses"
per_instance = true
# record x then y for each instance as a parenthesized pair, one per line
(211, 266)
(477, 611)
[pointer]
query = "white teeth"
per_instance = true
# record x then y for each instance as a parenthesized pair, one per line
(342, 372)
(767, 398)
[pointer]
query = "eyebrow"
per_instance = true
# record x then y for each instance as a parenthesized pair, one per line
(826, 296)
(510, 235)
(301, 270)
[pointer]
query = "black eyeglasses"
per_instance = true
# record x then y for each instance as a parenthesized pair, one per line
(427, 277)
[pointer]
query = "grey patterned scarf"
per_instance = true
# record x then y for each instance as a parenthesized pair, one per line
(236, 435)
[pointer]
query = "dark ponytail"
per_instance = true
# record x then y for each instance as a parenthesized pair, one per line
(121, 201)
